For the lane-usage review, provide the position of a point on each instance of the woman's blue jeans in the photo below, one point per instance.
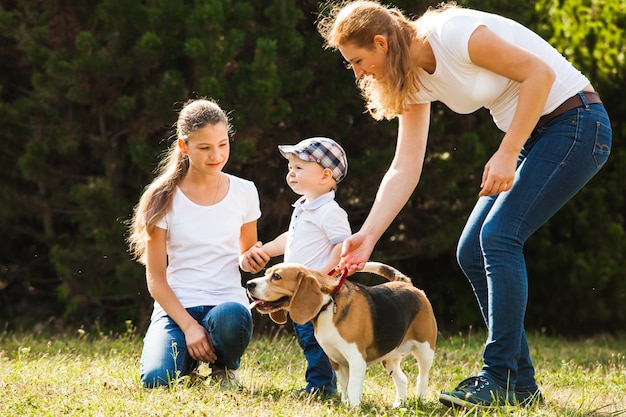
(165, 357)
(554, 164)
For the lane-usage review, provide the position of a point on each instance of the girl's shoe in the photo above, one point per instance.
(226, 378)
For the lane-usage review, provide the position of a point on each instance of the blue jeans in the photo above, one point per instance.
(164, 357)
(554, 164)
(319, 372)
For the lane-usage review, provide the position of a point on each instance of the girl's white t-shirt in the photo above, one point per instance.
(465, 87)
(203, 246)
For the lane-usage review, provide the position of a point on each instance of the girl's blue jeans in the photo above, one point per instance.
(165, 357)
(555, 163)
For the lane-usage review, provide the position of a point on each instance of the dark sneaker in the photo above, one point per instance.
(477, 391)
(528, 398)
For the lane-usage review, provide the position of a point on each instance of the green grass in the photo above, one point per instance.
(93, 374)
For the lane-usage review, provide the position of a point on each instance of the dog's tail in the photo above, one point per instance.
(386, 271)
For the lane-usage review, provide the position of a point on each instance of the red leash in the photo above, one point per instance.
(335, 290)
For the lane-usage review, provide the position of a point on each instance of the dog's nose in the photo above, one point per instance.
(250, 285)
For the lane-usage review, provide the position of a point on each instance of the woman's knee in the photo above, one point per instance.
(461, 254)
(496, 237)
(468, 252)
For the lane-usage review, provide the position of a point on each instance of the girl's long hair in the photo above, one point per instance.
(356, 23)
(157, 197)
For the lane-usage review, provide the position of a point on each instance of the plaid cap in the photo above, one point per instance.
(326, 152)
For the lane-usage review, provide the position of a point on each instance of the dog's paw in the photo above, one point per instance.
(350, 404)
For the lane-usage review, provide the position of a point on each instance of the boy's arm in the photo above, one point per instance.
(277, 246)
(333, 259)
(255, 258)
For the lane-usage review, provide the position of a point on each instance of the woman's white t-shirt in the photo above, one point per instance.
(203, 246)
(465, 87)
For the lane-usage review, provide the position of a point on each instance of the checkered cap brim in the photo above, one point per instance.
(326, 152)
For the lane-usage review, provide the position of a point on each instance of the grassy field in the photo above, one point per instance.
(93, 374)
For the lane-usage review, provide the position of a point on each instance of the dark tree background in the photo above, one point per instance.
(89, 92)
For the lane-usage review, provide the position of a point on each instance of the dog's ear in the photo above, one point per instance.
(306, 302)
(279, 316)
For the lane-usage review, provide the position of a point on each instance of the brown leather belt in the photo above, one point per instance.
(569, 104)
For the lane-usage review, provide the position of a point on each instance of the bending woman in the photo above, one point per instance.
(557, 136)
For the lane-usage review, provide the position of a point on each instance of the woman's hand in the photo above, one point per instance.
(356, 251)
(199, 344)
(536, 78)
(499, 173)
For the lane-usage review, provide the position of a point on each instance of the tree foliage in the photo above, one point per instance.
(89, 92)
(586, 242)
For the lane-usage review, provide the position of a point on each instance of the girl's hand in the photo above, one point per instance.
(254, 259)
(199, 344)
(356, 251)
(499, 173)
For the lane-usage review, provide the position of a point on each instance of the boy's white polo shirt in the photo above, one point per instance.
(316, 226)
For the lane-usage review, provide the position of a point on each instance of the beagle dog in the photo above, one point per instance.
(356, 325)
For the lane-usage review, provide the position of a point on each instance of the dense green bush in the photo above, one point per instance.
(89, 92)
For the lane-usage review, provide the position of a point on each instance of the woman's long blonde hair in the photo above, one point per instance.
(356, 23)
(157, 197)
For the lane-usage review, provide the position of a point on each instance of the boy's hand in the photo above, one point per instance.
(254, 259)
